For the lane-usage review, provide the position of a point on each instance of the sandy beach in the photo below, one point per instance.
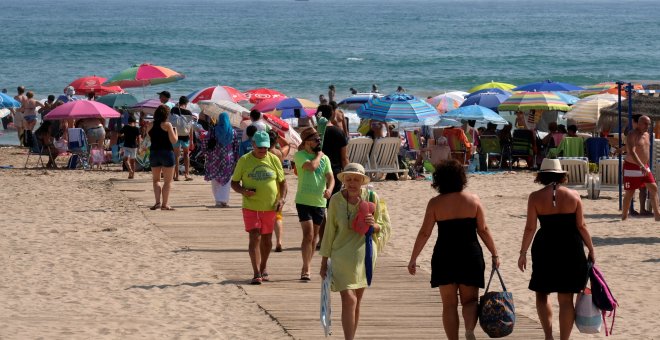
(82, 261)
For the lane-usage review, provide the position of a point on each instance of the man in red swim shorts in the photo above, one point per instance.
(636, 173)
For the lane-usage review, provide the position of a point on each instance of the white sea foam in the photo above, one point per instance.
(354, 59)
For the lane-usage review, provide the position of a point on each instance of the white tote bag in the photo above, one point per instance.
(588, 318)
(326, 306)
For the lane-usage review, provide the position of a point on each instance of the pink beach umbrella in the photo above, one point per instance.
(216, 93)
(268, 105)
(79, 109)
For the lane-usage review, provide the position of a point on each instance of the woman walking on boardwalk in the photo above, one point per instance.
(221, 148)
(457, 264)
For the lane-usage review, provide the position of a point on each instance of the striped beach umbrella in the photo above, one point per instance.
(526, 101)
(548, 85)
(287, 107)
(587, 110)
(144, 75)
(491, 90)
(566, 98)
(355, 101)
(399, 107)
(217, 93)
(493, 85)
(606, 87)
(213, 109)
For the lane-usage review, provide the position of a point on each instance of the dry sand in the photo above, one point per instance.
(80, 261)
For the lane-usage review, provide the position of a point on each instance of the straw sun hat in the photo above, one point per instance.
(354, 169)
(551, 165)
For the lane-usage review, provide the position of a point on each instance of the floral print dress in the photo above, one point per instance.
(221, 161)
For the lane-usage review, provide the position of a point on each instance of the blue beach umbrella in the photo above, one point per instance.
(8, 102)
(491, 90)
(475, 112)
(566, 98)
(490, 100)
(399, 107)
(548, 85)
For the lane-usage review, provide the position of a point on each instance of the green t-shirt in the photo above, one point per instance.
(311, 184)
(262, 175)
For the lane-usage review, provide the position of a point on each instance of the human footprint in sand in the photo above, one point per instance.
(457, 265)
(558, 261)
(636, 172)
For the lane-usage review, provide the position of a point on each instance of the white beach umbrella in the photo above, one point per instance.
(587, 110)
(213, 109)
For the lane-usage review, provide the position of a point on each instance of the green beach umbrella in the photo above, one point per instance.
(118, 100)
(493, 85)
(144, 75)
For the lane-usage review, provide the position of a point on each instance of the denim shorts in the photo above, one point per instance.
(181, 144)
(306, 213)
(161, 158)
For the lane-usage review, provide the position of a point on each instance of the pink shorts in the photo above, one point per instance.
(262, 220)
(633, 178)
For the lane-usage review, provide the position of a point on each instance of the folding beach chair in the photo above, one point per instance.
(79, 147)
(458, 143)
(414, 143)
(523, 147)
(34, 148)
(579, 177)
(571, 147)
(358, 150)
(490, 148)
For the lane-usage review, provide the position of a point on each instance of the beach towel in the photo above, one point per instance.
(571, 147)
(326, 306)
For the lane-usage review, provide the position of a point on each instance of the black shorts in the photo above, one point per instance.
(306, 213)
(161, 158)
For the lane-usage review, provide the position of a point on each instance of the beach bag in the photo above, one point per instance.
(181, 124)
(587, 315)
(497, 314)
(602, 296)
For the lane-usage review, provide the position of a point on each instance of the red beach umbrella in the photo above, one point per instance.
(216, 93)
(94, 84)
(258, 95)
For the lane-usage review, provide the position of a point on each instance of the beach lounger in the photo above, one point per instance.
(608, 176)
(579, 177)
(358, 150)
(383, 157)
(490, 148)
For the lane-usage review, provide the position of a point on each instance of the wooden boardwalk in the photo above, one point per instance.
(396, 306)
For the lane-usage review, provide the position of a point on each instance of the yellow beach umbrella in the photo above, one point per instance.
(493, 85)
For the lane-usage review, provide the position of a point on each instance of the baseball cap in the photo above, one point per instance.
(165, 94)
(261, 139)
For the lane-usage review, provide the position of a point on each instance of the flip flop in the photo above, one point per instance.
(155, 206)
(278, 249)
(167, 207)
(264, 277)
(256, 280)
(305, 277)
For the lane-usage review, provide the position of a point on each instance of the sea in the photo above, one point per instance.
(301, 47)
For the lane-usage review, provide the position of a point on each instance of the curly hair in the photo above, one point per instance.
(162, 113)
(449, 176)
(546, 178)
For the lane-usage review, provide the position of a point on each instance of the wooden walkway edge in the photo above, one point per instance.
(396, 306)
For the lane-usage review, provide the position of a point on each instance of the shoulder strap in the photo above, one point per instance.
(495, 270)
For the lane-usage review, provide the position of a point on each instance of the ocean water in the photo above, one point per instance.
(300, 47)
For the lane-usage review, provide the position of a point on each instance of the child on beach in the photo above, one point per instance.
(131, 135)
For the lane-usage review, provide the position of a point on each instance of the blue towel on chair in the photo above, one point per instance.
(597, 148)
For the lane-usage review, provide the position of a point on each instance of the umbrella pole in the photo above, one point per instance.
(619, 84)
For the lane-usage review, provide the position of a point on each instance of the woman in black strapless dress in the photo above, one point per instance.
(457, 265)
(558, 261)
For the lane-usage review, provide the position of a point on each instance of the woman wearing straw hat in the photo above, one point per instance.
(350, 233)
(457, 264)
(558, 261)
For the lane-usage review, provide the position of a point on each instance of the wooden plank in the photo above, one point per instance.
(396, 306)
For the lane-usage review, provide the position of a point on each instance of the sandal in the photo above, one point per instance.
(166, 207)
(264, 277)
(188, 179)
(256, 280)
(278, 249)
(155, 206)
(305, 277)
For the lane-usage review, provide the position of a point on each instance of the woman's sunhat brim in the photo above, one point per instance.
(365, 178)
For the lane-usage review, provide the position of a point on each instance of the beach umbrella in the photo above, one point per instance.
(493, 85)
(144, 75)
(475, 112)
(148, 106)
(491, 90)
(94, 84)
(213, 109)
(118, 100)
(587, 110)
(606, 87)
(8, 102)
(461, 94)
(566, 98)
(288, 106)
(355, 101)
(255, 96)
(448, 122)
(490, 100)
(217, 93)
(548, 85)
(399, 107)
(526, 101)
(446, 102)
(79, 109)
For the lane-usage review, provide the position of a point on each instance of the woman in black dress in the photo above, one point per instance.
(457, 264)
(558, 261)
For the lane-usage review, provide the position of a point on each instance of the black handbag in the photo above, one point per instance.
(497, 315)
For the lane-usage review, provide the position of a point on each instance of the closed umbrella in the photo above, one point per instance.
(79, 109)
(118, 100)
(217, 93)
(475, 112)
(527, 101)
(493, 85)
(256, 96)
(548, 85)
(399, 107)
(144, 75)
(490, 100)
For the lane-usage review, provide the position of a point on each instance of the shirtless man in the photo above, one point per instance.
(18, 113)
(636, 172)
(338, 118)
